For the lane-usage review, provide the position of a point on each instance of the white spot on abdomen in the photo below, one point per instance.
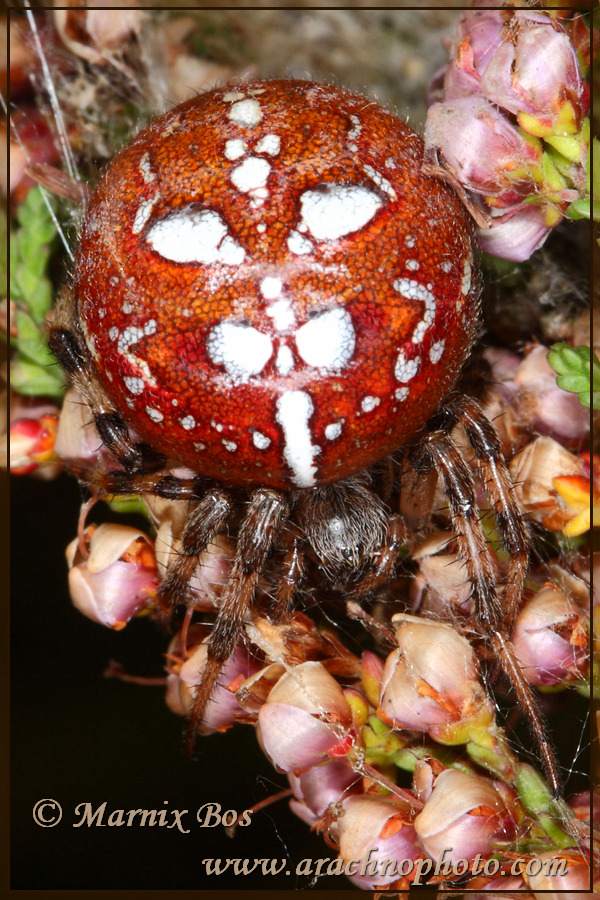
(406, 368)
(235, 148)
(133, 334)
(333, 430)
(154, 414)
(414, 290)
(193, 234)
(241, 349)
(245, 112)
(133, 385)
(369, 403)
(144, 211)
(130, 336)
(294, 409)
(285, 360)
(436, 350)
(354, 133)
(380, 181)
(465, 284)
(260, 441)
(282, 314)
(270, 144)
(270, 288)
(327, 340)
(188, 422)
(251, 174)
(146, 169)
(334, 210)
(298, 244)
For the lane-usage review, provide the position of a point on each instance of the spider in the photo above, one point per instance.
(270, 291)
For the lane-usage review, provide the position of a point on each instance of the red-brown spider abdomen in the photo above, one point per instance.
(271, 290)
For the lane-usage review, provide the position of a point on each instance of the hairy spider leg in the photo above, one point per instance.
(257, 534)
(385, 561)
(512, 524)
(68, 346)
(206, 520)
(438, 450)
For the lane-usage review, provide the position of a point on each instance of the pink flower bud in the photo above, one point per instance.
(480, 35)
(485, 150)
(77, 439)
(551, 639)
(173, 695)
(576, 584)
(371, 670)
(32, 443)
(533, 471)
(441, 582)
(535, 74)
(529, 386)
(517, 234)
(223, 709)
(464, 815)
(117, 579)
(522, 63)
(317, 788)
(214, 564)
(431, 684)
(562, 873)
(375, 838)
(305, 719)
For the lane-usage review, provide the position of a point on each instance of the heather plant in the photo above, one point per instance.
(396, 753)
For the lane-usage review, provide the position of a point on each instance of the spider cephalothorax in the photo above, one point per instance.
(269, 291)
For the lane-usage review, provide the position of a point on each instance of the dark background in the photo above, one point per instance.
(78, 737)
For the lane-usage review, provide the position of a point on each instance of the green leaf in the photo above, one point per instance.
(13, 251)
(575, 384)
(129, 504)
(33, 211)
(36, 381)
(31, 342)
(568, 146)
(538, 801)
(35, 295)
(3, 254)
(34, 370)
(35, 234)
(578, 372)
(580, 209)
(567, 360)
(33, 255)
